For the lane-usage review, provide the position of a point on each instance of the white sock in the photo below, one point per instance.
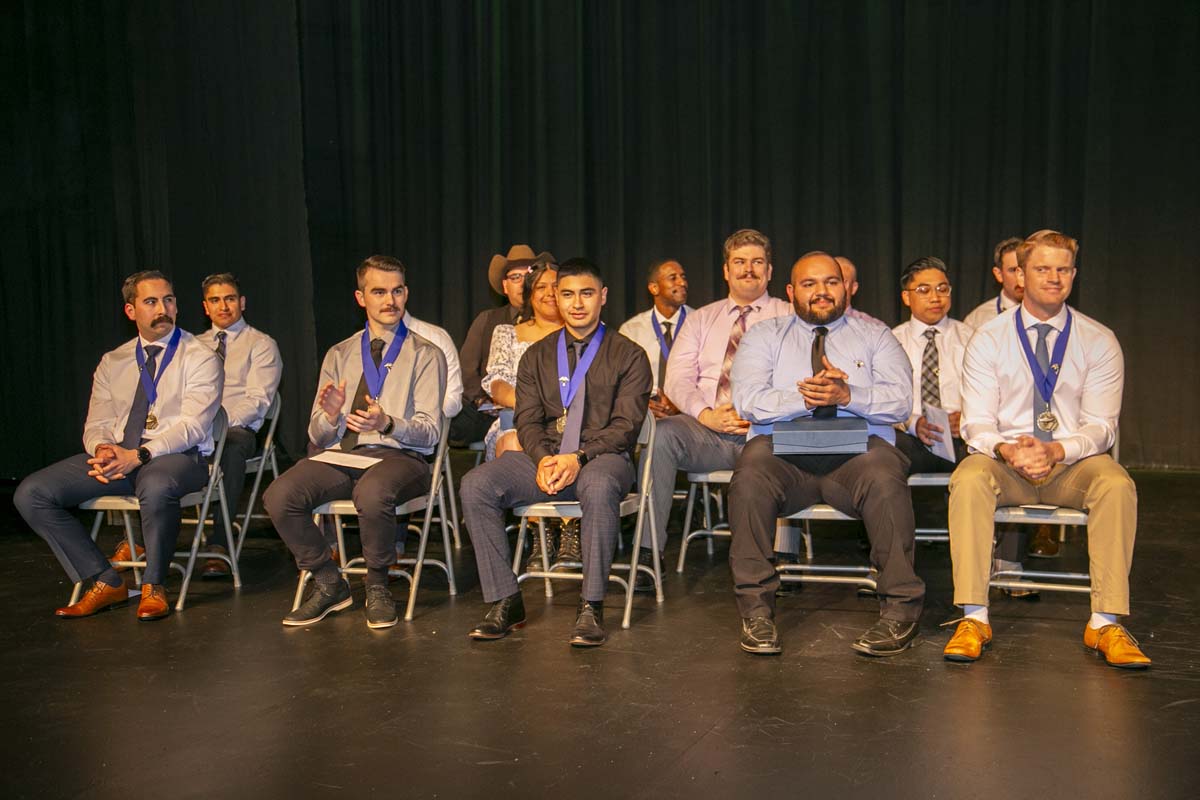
(1099, 620)
(976, 613)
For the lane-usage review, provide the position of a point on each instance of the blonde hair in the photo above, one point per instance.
(1045, 238)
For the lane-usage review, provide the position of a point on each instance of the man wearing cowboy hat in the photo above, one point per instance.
(506, 275)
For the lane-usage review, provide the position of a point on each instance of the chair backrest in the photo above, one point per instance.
(439, 458)
(272, 419)
(219, 427)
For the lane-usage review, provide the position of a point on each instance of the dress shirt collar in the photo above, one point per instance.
(585, 341)
(918, 328)
(233, 330)
(387, 335)
(163, 342)
(1007, 302)
(810, 327)
(755, 305)
(1058, 321)
(674, 318)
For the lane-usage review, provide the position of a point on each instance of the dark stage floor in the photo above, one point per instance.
(222, 701)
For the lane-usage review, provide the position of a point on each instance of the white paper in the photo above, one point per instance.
(944, 448)
(344, 459)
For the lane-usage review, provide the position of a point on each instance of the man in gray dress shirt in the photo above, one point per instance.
(394, 415)
(253, 368)
(863, 372)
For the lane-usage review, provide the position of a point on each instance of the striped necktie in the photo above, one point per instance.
(724, 391)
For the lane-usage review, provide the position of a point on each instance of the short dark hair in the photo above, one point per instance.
(579, 266)
(129, 287)
(656, 266)
(922, 263)
(384, 263)
(220, 277)
(1004, 246)
(532, 276)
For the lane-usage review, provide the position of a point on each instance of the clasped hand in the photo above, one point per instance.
(555, 473)
(661, 405)
(331, 399)
(827, 388)
(112, 463)
(1032, 458)
(723, 419)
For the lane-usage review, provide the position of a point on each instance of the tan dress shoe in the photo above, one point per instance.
(1044, 543)
(154, 603)
(100, 597)
(968, 641)
(122, 554)
(1119, 648)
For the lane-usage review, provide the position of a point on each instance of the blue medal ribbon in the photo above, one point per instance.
(662, 342)
(150, 385)
(999, 308)
(1044, 383)
(375, 376)
(568, 384)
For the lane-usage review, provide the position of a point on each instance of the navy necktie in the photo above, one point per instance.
(136, 424)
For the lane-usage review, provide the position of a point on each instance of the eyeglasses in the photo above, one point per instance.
(943, 289)
(516, 277)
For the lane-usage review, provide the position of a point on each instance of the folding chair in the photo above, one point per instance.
(1041, 515)
(704, 482)
(128, 504)
(258, 466)
(452, 494)
(436, 498)
(637, 502)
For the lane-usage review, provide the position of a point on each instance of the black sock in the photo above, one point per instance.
(376, 576)
(110, 577)
(327, 574)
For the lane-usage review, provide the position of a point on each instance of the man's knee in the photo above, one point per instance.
(1112, 481)
(281, 498)
(974, 472)
(30, 496)
(757, 462)
(668, 439)
(599, 486)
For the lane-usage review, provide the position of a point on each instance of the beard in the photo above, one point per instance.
(813, 317)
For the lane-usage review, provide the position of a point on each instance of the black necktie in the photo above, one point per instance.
(818, 364)
(350, 440)
(221, 344)
(136, 424)
(662, 362)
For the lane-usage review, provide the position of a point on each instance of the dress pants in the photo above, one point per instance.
(46, 497)
(401, 476)
(240, 444)
(682, 443)
(509, 481)
(1097, 485)
(871, 486)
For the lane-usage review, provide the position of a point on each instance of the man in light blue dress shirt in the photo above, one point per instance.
(864, 372)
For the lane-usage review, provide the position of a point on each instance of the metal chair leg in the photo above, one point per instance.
(687, 527)
(449, 489)
(545, 555)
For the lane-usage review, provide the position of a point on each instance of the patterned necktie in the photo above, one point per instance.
(221, 344)
(724, 392)
(350, 440)
(818, 364)
(931, 390)
(662, 361)
(141, 404)
(1042, 353)
(574, 426)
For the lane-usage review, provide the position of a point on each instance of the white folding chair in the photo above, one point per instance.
(203, 500)
(638, 502)
(436, 498)
(1035, 514)
(703, 481)
(258, 466)
(451, 493)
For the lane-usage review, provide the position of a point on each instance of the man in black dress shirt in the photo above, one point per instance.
(581, 400)
(506, 274)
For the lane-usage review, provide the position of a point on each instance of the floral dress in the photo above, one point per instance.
(502, 363)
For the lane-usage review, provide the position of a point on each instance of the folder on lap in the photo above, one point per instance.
(808, 436)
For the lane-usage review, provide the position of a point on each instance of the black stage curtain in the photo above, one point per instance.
(289, 140)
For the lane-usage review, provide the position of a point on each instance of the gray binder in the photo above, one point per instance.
(808, 436)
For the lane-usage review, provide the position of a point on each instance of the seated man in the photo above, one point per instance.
(821, 363)
(657, 328)
(253, 368)
(1042, 389)
(708, 434)
(395, 415)
(1008, 274)
(581, 401)
(148, 429)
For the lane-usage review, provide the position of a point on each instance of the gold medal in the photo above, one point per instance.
(1046, 421)
(151, 422)
(561, 424)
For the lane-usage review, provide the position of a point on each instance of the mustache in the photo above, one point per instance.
(162, 318)
(816, 297)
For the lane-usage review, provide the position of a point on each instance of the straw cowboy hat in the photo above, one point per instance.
(519, 255)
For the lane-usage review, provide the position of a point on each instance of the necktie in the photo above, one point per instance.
(1042, 353)
(350, 440)
(818, 364)
(931, 390)
(724, 391)
(221, 344)
(136, 424)
(662, 361)
(574, 426)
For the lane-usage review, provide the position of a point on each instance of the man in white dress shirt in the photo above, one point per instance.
(1042, 387)
(656, 329)
(1008, 275)
(148, 429)
(253, 368)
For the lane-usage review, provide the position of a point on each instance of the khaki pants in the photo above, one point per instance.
(1097, 485)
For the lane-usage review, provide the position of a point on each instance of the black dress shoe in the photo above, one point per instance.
(505, 615)
(759, 636)
(644, 582)
(589, 627)
(886, 637)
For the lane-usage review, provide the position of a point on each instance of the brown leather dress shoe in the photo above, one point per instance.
(1119, 648)
(98, 598)
(215, 567)
(968, 640)
(1044, 543)
(122, 554)
(154, 603)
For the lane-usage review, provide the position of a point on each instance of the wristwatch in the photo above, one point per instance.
(391, 426)
(582, 456)
(143, 455)
(996, 452)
